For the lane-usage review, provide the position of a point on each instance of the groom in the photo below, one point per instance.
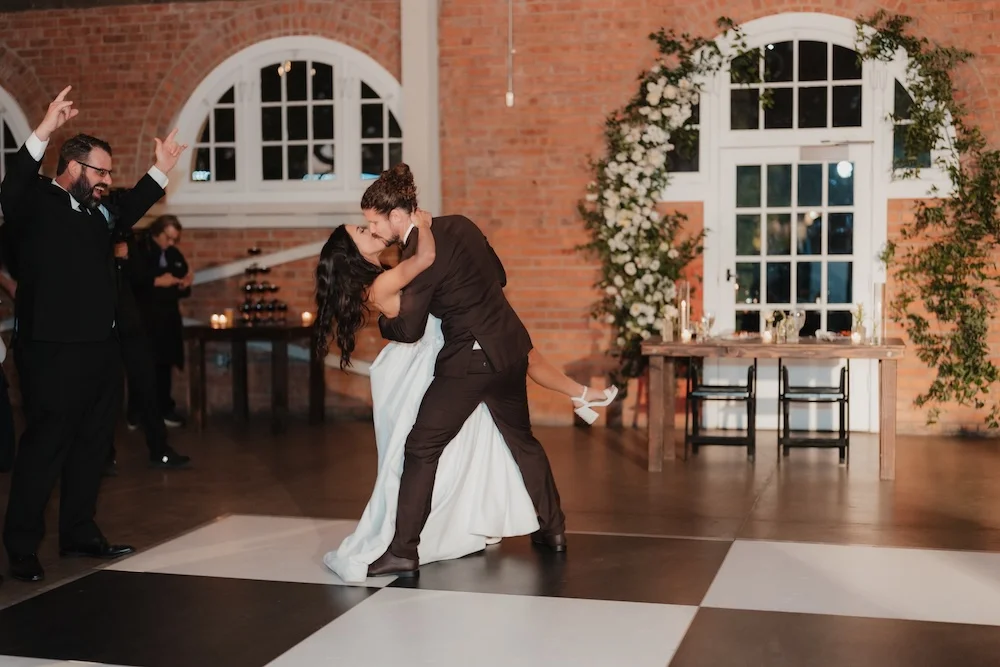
(484, 360)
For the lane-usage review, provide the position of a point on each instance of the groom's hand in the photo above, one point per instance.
(423, 218)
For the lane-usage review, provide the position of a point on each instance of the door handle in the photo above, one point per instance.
(729, 275)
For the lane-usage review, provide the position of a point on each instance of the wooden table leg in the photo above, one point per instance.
(279, 385)
(241, 391)
(317, 386)
(887, 419)
(657, 403)
(196, 382)
(673, 447)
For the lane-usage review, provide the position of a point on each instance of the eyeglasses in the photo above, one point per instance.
(100, 172)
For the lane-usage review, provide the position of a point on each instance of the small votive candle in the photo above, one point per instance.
(307, 319)
(767, 337)
(215, 321)
(685, 335)
(223, 321)
(856, 337)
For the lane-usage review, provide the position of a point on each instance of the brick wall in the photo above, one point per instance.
(518, 172)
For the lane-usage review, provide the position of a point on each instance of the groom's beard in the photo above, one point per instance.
(88, 196)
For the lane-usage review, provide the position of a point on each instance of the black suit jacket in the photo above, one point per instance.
(159, 306)
(62, 259)
(464, 289)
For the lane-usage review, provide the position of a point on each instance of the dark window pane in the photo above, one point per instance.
(695, 118)
(810, 185)
(746, 68)
(747, 234)
(270, 83)
(846, 65)
(748, 186)
(808, 288)
(778, 61)
(900, 159)
(225, 163)
(395, 131)
(298, 162)
(847, 106)
(322, 122)
(841, 184)
(225, 125)
(744, 110)
(779, 185)
(684, 156)
(371, 121)
(367, 93)
(779, 282)
(779, 234)
(778, 116)
(395, 155)
(748, 282)
(901, 102)
(298, 123)
(748, 320)
(839, 282)
(205, 136)
(812, 107)
(228, 97)
(271, 163)
(839, 321)
(372, 160)
(297, 77)
(322, 162)
(270, 124)
(809, 233)
(812, 325)
(812, 61)
(841, 241)
(322, 82)
(202, 169)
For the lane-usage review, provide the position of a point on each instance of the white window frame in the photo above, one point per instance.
(11, 113)
(876, 128)
(269, 201)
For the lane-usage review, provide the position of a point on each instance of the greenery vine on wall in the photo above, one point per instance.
(944, 276)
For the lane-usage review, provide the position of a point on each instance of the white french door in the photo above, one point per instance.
(793, 232)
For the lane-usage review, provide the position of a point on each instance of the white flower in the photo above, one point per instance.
(619, 281)
(654, 265)
(609, 318)
(630, 269)
(611, 290)
(592, 197)
(673, 254)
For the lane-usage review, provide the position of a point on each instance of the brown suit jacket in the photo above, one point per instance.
(464, 289)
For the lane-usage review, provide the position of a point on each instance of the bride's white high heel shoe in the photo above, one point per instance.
(585, 410)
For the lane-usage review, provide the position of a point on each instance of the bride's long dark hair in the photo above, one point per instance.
(343, 275)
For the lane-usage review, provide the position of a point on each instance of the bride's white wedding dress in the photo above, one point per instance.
(478, 492)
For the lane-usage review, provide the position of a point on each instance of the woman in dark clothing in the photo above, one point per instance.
(160, 278)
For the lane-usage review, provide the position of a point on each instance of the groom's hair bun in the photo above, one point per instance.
(393, 189)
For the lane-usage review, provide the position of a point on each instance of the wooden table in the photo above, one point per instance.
(662, 384)
(238, 337)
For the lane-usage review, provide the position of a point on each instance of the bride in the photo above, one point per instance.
(479, 496)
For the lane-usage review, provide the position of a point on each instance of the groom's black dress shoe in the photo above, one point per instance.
(26, 568)
(98, 548)
(553, 541)
(387, 565)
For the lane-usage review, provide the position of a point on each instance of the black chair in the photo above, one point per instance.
(698, 393)
(789, 394)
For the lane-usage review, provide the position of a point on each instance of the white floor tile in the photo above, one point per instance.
(448, 629)
(252, 547)
(912, 584)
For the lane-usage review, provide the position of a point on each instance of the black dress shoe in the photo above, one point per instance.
(388, 565)
(169, 459)
(26, 568)
(96, 549)
(553, 541)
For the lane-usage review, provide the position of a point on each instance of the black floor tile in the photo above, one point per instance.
(738, 638)
(162, 620)
(599, 567)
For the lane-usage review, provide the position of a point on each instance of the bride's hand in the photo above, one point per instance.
(422, 218)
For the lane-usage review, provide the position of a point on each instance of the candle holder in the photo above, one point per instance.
(683, 288)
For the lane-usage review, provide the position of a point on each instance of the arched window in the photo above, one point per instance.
(291, 120)
(14, 129)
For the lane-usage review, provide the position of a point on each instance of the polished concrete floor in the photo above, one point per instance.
(805, 562)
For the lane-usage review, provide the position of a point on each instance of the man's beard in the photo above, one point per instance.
(83, 192)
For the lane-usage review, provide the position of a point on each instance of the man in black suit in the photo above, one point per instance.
(65, 340)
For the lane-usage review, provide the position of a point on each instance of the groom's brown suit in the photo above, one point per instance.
(464, 289)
